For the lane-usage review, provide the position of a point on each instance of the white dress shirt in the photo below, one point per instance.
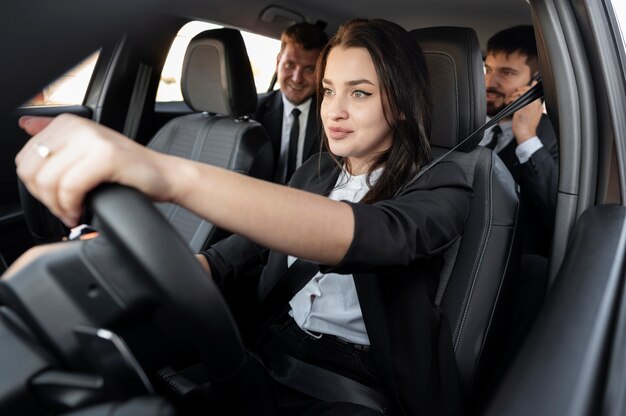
(328, 304)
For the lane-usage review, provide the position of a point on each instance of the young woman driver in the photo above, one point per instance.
(374, 237)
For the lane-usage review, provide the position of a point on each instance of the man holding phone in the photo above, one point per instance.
(526, 142)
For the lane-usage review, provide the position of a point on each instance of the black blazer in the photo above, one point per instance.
(538, 181)
(270, 114)
(395, 258)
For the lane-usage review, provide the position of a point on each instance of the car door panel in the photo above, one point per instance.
(563, 361)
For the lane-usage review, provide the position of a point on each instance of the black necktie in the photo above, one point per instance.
(496, 132)
(292, 156)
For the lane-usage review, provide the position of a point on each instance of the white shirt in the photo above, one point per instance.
(328, 304)
(523, 151)
(286, 131)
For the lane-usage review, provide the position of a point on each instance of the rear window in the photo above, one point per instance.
(261, 50)
(619, 7)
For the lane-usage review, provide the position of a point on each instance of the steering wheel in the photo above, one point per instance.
(42, 224)
(131, 222)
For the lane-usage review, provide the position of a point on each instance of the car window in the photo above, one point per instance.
(68, 89)
(619, 7)
(261, 50)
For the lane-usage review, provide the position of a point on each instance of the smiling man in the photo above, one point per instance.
(289, 115)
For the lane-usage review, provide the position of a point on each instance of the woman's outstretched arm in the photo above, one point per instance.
(69, 156)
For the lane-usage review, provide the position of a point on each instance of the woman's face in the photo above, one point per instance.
(352, 108)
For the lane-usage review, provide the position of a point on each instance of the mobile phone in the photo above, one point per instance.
(536, 77)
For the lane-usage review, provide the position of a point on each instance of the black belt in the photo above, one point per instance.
(323, 384)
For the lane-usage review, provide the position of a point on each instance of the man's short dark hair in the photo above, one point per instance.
(516, 39)
(307, 35)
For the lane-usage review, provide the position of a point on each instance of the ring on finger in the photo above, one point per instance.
(42, 150)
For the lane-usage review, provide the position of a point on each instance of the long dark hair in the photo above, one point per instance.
(407, 102)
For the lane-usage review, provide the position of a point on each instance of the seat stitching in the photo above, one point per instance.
(468, 297)
(456, 89)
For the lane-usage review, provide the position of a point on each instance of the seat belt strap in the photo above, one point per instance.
(323, 384)
(294, 279)
(137, 101)
(528, 97)
(306, 378)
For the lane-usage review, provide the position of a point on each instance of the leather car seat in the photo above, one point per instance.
(480, 268)
(217, 83)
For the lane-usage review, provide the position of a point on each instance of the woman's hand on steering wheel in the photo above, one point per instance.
(68, 156)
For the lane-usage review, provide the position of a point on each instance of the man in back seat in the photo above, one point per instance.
(289, 115)
(527, 145)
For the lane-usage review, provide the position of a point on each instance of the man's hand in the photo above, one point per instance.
(525, 120)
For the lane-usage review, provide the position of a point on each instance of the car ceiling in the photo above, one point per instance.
(39, 57)
(485, 16)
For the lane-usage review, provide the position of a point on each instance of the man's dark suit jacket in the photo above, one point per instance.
(270, 114)
(538, 181)
(395, 258)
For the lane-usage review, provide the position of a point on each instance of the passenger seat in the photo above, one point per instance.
(217, 83)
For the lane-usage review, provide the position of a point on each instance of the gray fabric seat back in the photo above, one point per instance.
(480, 267)
(217, 83)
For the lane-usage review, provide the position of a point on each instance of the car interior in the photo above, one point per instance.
(126, 323)
(479, 262)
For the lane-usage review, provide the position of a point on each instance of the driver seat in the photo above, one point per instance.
(480, 268)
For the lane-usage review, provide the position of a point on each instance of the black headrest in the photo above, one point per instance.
(217, 76)
(455, 68)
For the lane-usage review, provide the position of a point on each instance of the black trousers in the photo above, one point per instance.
(255, 392)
